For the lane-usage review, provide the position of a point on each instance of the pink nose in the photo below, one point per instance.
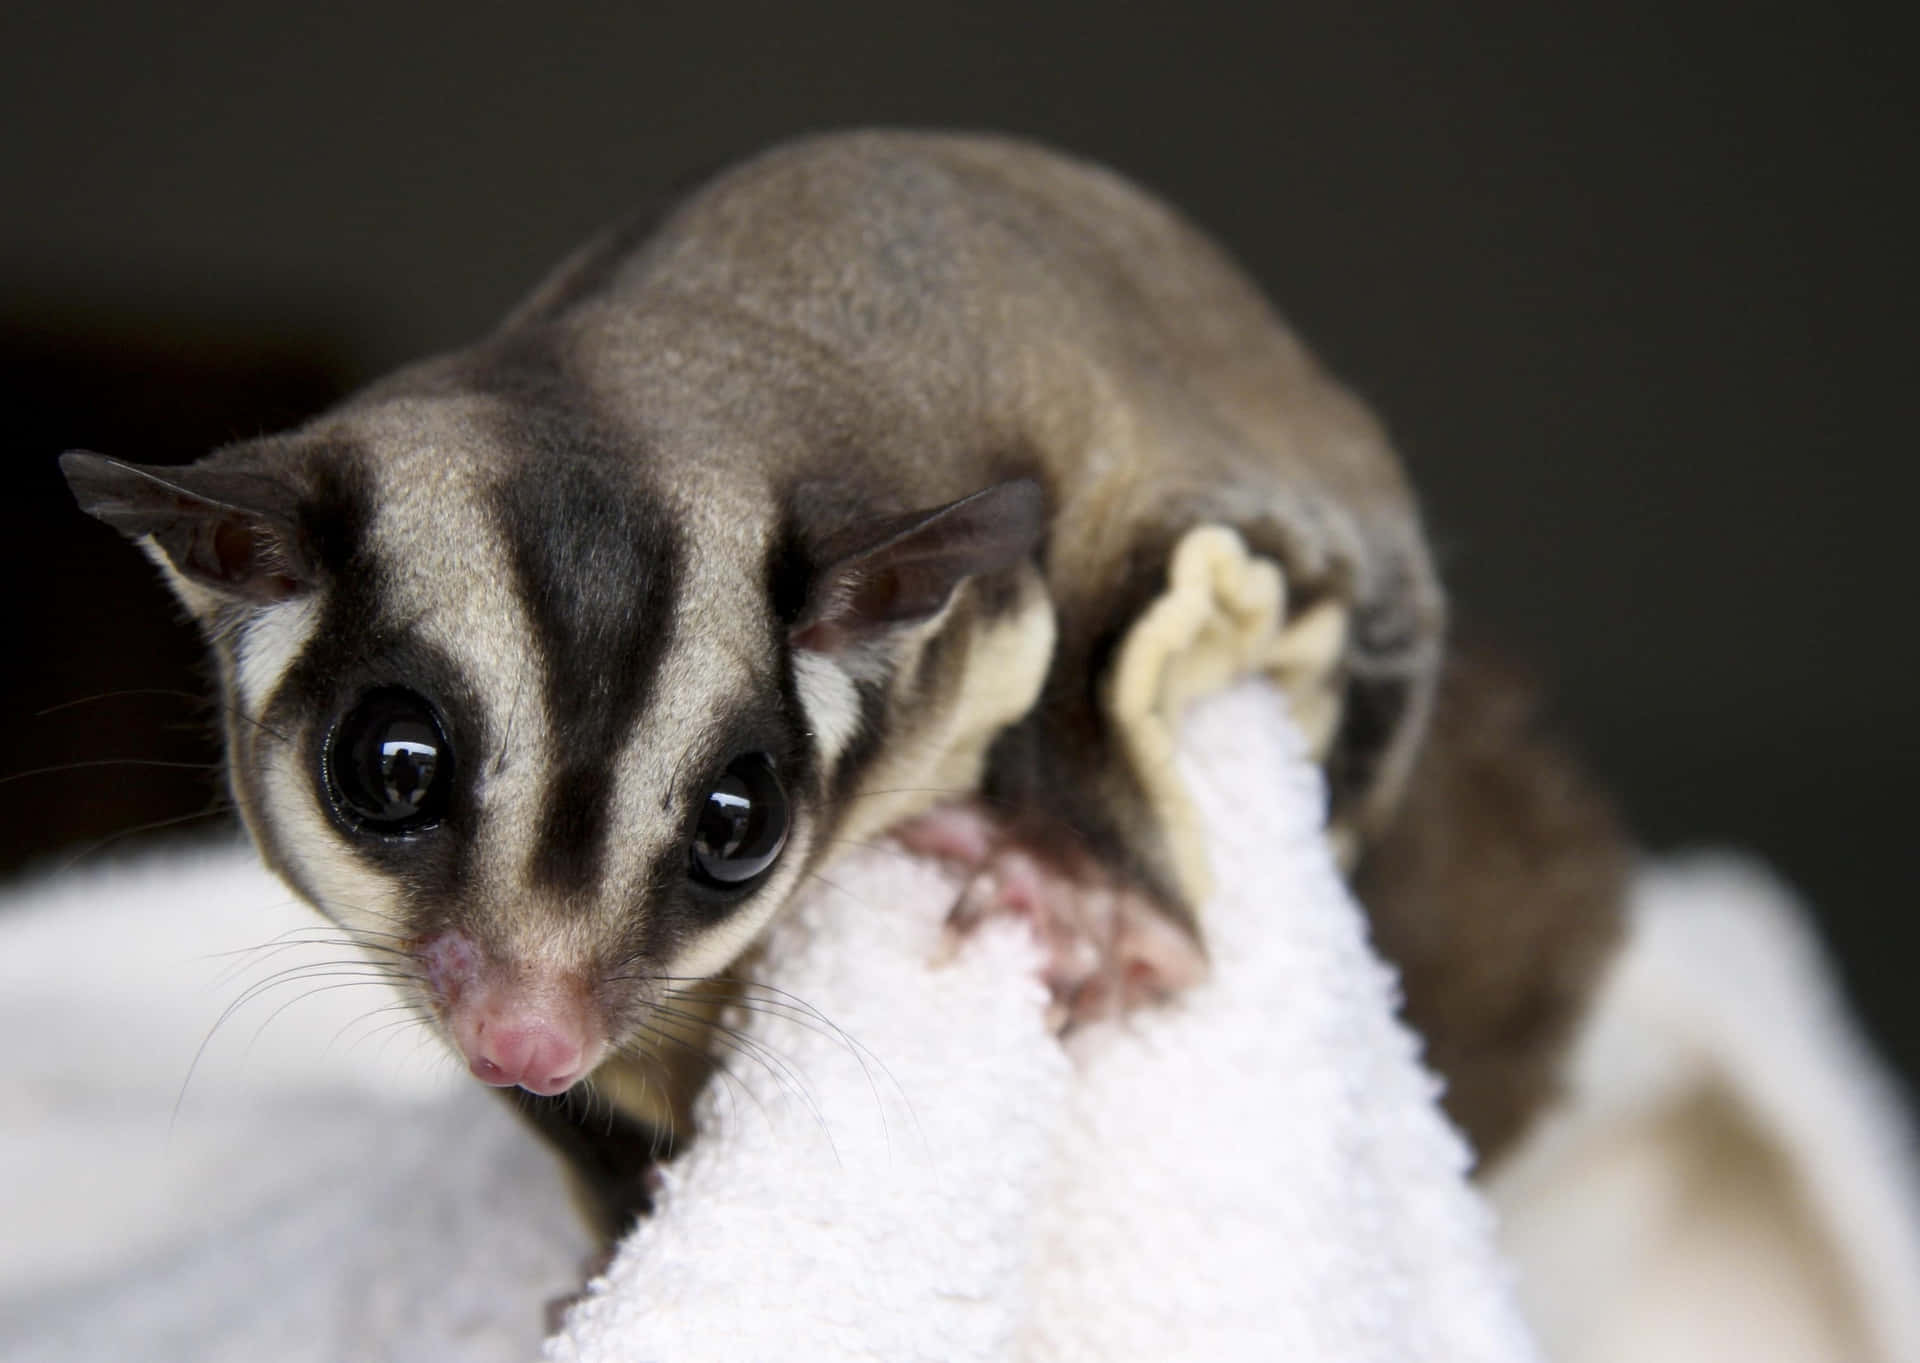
(536, 1055)
(512, 1028)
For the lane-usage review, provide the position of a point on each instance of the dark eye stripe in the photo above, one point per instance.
(357, 646)
(679, 906)
(596, 560)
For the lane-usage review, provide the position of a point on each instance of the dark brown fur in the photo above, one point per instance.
(1497, 892)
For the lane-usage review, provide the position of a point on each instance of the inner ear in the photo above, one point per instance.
(899, 569)
(226, 529)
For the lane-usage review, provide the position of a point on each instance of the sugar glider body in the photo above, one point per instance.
(554, 664)
(866, 325)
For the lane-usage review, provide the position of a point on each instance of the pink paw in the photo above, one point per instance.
(1108, 947)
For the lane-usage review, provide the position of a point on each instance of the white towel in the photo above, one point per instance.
(921, 1171)
(1733, 1174)
(1256, 1171)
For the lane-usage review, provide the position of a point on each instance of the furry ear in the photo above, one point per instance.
(901, 569)
(227, 530)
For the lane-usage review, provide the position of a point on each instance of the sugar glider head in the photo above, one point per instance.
(540, 735)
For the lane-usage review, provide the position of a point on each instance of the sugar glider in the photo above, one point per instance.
(552, 666)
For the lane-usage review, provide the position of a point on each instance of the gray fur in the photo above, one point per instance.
(603, 540)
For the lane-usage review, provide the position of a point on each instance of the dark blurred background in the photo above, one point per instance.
(1632, 282)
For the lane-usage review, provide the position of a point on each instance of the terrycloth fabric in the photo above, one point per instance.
(1732, 1174)
(327, 1192)
(1258, 1171)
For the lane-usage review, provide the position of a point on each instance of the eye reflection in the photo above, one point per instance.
(387, 763)
(408, 768)
(743, 824)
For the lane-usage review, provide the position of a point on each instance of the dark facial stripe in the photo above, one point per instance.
(597, 561)
(677, 907)
(358, 644)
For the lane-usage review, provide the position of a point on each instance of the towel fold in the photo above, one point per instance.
(1256, 1170)
(902, 1162)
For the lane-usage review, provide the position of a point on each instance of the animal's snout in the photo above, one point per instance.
(504, 1048)
(512, 1027)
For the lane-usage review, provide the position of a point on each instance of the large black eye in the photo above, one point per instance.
(743, 823)
(389, 764)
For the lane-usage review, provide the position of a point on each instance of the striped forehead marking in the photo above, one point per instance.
(597, 562)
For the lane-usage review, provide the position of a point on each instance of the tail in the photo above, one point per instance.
(1497, 890)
